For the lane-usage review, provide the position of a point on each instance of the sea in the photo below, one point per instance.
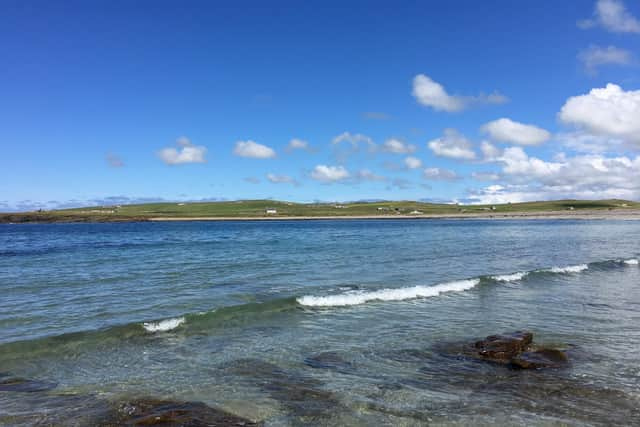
(321, 322)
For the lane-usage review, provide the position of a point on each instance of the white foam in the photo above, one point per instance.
(510, 277)
(632, 261)
(568, 269)
(399, 294)
(164, 325)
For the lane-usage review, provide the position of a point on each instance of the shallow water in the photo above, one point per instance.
(322, 322)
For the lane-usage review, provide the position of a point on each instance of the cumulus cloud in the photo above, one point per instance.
(453, 145)
(412, 162)
(297, 144)
(585, 142)
(114, 161)
(613, 16)
(596, 56)
(432, 94)
(347, 144)
(438, 174)
(397, 146)
(354, 139)
(281, 179)
(608, 111)
(187, 153)
(328, 174)
(591, 176)
(490, 152)
(507, 130)
(253, 150)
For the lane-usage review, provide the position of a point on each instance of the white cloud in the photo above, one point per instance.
(613, 16)
(596, 56)
(188, 153)
(394, 145)
(591, 176)
(412, 162)
(254, 150)
(353, 139)
(608, 111)
(490, 152)
(432, 94)
(453, 145)
(506, 130)
(585, 142)
(297, 144)
(328, 174)
(367, 175)
(281, 179)
(438, 174)
(485, 176)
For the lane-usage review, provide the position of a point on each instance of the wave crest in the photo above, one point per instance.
(513, 277)
(399, 294)
(632, 261)
(568, 269)
(164, 325)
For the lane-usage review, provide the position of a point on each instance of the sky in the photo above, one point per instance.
(111, 102)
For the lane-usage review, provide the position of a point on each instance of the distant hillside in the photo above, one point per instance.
(279, 209)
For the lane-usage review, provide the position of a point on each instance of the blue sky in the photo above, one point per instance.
(492, 101)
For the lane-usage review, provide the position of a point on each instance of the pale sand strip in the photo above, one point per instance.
(595, 214)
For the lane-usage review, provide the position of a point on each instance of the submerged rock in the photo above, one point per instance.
(502, 348)
(23, 385)
(542, 358)
(517, 349)
(301, 395)
(329, 360)
(152, 412)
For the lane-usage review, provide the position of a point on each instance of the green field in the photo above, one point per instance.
(259, 208)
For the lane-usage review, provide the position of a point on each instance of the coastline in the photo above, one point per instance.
(582, 214)
(631, 215)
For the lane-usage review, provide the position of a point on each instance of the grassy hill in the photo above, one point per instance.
(258, 209)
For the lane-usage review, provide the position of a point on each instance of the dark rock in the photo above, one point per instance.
(151, 412)
(542, 358)
(23, 385)
(502, 348)
(328, 360)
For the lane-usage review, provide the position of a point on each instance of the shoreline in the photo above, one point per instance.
(591, 214)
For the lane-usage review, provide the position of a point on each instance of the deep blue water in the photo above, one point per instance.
(177, 309)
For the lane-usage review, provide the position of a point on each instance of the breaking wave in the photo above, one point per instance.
(164, 325)
(632, 261)
(399, 294)
(569, 269)
(513, 277)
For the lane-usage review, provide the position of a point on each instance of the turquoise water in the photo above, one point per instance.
(322, 322)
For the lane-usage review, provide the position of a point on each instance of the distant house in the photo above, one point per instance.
(269, 211)
(383, 209)
(340, 207)
(415, 213)
(180, 204)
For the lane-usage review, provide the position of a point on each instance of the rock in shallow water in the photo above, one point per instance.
(23, 385)
(542, 358)
(328, 360)
(151, 412)
(502, 348)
